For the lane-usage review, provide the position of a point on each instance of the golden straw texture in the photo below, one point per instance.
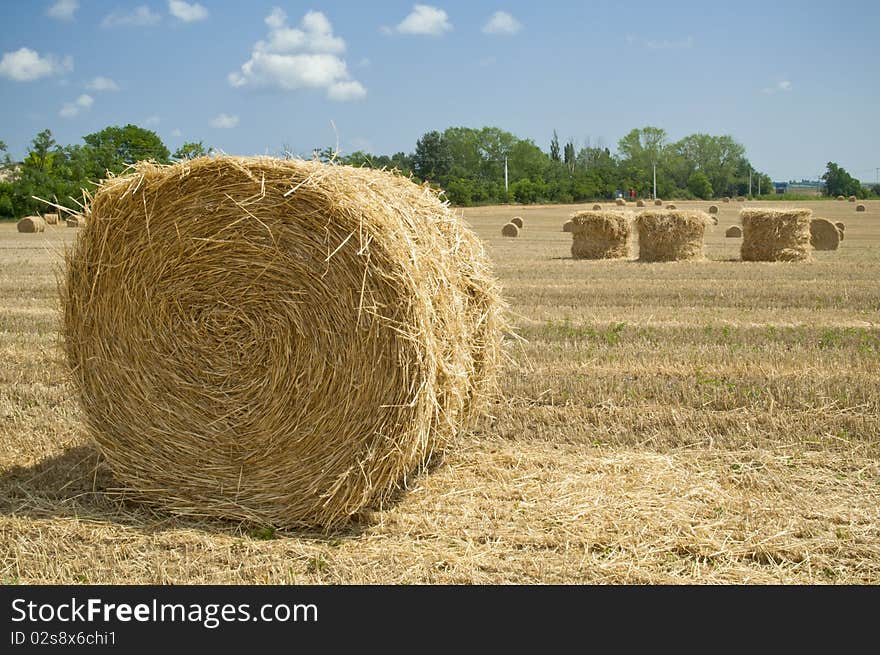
(776, 235)
(31, 224)
(600, 235)
(281, 342)
(671, 235)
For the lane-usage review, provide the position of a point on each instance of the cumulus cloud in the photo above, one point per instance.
(26, 65)
(141, 16)
(783, 86)
(63, 9)
(425, 19)
(81, 104)
(502, 23)
(102, 84)
(306, 57)
(186, 12)
(224, 121)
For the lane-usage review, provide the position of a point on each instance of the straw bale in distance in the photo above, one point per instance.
(725, 199)
(713, 209)
(516, 220)
(860, 208)
(51, 218)
(824, 234)
(840, 228)
(510, 230)
(75, 221)
(671, 235)
(278, 342)
(776, 235)
(852, 198)
(841, 197)
(640, 203)
(658, 202)
(601, 235)
(733, 231)
(671, 206)
(597, 208)
(620, 202)
(740, 198)
(31, 224)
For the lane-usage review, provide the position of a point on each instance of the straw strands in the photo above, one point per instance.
(824, 234)
(776, 235)
(671, 235)
(31, 224)
(600, 235)
(280, 342)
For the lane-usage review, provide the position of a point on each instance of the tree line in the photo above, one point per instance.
(473, 166)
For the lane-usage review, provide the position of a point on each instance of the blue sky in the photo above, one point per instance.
(795, 82)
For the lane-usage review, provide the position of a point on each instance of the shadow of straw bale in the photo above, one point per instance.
(77, 484)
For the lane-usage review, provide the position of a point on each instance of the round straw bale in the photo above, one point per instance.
(740, 198)
(516, 220)
(670, 206)
(852, 198)
(841, 197)
(31, 224)
(601, 235)
(597, 208)
(640, 203)
(658, 202)
(840, 226)
(824, 234)
(776, 235)
(620, 202)
(733, 231)
(671, 235)
(725, 199)
(75, 221)
(278, 342)
(50, 218)
(568, 226)
(510, 230)
(860, 208)
(713, 209)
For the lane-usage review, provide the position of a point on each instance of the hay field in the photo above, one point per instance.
(691, 422)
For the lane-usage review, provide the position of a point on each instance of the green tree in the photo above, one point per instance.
(554, 147)
(40, 155)
(699, 185)
(190, 150)
(114, 148)
(432, 159)
(840, 183)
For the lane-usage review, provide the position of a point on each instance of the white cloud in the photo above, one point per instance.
(102, 84)
(502, 23)
(81, 104)
(26, 65)
(350, 90)
(667, 45)
(188, 13)
(224, 121)
(784, 86)
(63, 9)
(141, 16)
(152, 120)
(425, 19)
(176, 132)
(306, 57)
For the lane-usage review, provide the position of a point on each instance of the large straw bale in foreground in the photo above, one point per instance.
(824, 234)
(600, 235)
(31, 224)
(282, 342)
(776, 235)
(671, 235)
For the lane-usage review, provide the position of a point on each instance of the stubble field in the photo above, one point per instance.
(711, 422)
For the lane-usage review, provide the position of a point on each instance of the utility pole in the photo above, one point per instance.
(759, 185)
(505, 174)
(654, 165)
(750, 182)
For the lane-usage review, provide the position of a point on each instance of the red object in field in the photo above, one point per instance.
(632, 193)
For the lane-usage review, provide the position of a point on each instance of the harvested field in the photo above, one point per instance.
(667, 424)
